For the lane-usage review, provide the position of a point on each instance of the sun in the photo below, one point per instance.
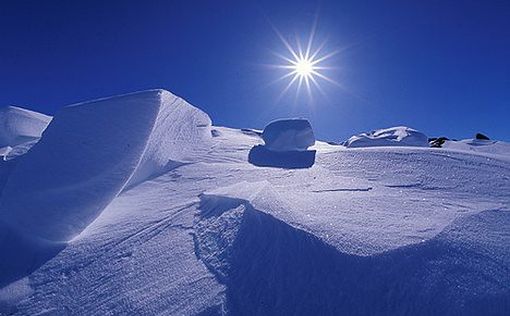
(304, 65)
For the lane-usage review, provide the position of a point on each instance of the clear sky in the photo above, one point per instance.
(442, 67)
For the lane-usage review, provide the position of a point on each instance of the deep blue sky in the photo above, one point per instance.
(442, 67)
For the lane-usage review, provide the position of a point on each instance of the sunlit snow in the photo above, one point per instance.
(137, 204)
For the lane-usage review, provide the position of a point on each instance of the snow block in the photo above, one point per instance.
(393, 136)
(288, 134)
(286, 143)
(263, 157)
(91, 152)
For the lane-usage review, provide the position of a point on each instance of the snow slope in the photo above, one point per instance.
(364, 231)
(479, 146)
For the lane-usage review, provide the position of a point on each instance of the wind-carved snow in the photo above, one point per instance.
(91, 152)
(20, 129)
(386, 231)
(271, 267)
(393, 136)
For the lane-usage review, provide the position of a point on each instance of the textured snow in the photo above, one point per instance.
(363, 231)
(393, 136)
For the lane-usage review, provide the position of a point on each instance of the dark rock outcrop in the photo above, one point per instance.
(481, 136)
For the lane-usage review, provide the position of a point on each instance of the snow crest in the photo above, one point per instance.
(91, 152)
(20, 129)
(393, 136)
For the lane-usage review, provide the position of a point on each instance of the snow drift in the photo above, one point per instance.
(393, 136)
(91, 152)
(272, 267)
(20, 128)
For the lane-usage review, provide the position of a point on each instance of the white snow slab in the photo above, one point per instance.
(393, 136)
(91, 152)
(288, 135)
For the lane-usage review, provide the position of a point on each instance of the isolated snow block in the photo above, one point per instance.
(288, 135)
(92, 151)
(261, 156)
(393, 136)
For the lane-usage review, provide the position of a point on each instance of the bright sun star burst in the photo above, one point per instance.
(303, 66)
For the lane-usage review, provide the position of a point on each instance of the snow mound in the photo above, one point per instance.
(20, 126)
(271, 266)
(91, 152)
(286, 143)
(393, 136)
(480, 146)
(288, 135)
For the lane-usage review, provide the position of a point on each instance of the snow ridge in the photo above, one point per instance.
(91, 152)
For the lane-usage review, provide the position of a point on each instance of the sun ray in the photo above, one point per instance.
(287, 88)
(287, 45)
(311, 37)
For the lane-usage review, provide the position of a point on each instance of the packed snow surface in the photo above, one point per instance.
(393, 136)
(202, 231)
